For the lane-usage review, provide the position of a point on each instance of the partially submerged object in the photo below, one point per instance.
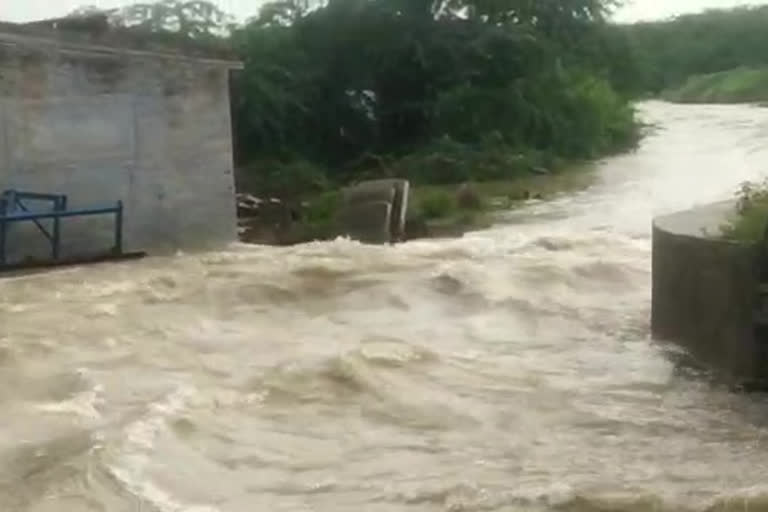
(375, 211)
(25, 207)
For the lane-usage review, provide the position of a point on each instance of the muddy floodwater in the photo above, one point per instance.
(509, 370)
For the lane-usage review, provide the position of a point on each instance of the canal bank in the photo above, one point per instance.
(706, 292)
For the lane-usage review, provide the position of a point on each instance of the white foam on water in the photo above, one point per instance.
(140, 437)
(509, 369)
(85, 405)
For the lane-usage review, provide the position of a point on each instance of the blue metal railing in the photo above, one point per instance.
(13, 208)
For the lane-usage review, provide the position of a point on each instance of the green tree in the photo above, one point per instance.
(347, 86)
(193, 19)
(668, 52)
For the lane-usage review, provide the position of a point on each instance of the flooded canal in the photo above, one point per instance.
(510, 370)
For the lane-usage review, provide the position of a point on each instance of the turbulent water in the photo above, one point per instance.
(511, 370)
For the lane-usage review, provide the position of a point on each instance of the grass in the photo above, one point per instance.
(748, 223)
(740, 85)
(502, 194)
(439, 205)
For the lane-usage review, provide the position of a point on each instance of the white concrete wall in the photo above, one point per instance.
(153, 132)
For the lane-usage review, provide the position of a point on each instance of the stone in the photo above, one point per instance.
(248, 205)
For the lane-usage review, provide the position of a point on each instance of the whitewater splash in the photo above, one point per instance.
(508, 370)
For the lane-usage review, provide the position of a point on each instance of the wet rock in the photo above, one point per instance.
(266, 221)
(247, 205)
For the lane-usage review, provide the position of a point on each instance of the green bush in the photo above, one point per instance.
(570, 113)
(590, 118)
(436, 204)
(740, 85)
(285, 179)
(749, 222)
(457, 100)
(323, 208)
(446, 161)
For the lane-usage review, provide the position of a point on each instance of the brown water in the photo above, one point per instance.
(510, 370)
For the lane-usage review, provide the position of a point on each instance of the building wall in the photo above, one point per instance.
(154, 132)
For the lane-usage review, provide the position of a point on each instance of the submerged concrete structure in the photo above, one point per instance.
(104, 117)
(374, 211)
(707, 293)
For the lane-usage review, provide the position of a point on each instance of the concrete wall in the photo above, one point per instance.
(152, 131)
(704, 292)
(375, 211)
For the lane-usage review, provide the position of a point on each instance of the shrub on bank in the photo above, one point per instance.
(285, 179)
(740, 85)
(750, 220)
(435, 205)
(446, 161)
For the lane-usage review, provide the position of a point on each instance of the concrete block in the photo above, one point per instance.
(368, 222)
(369, 191)
(395, 192)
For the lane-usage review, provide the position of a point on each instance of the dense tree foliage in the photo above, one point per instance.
(354, 83)
(335, 88)
(186, 18)
(667, 53)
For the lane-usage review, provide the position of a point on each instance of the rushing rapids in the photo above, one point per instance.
(510, 370)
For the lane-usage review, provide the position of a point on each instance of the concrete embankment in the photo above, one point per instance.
(705, 291)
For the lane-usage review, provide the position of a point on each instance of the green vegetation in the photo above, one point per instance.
(719, 55)
(451, 209)
(379, 88)
(445, 92)
(436, 201)
(741, 85)
(748, 224)
(473, 205)
(436, 91)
